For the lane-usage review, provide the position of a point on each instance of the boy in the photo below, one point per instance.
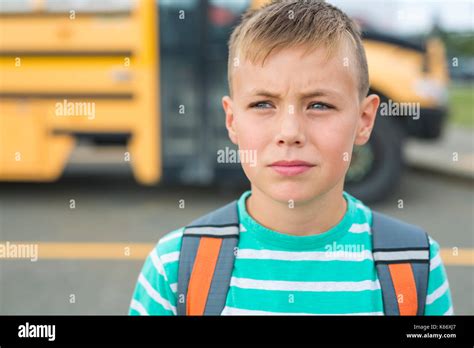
(298, 244)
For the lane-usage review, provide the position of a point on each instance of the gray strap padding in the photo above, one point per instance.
(221, 223)
(421, 272)
(394, 234)
(187, 255)
(224, 216)
(388, 291)
(221, 280)
(395, 241)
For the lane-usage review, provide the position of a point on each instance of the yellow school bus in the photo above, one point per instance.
(68, 71)
(150, 75)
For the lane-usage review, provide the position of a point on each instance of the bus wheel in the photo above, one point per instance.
(376, 167)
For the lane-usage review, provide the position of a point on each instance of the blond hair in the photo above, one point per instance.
(290, 23)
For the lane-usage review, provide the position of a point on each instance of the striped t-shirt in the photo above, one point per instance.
(331, 273)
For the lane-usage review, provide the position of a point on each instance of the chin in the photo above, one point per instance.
(297, 191)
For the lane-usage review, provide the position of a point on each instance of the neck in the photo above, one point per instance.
(312, 217)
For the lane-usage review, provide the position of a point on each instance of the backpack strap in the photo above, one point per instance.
(402, 258)
(206, 262)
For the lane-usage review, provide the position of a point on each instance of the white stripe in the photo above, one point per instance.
(283, 285)
(364, 208)
(170, 257)
(238, 311)
(303, 255)
(242, 228)
(437, 293)
(138, 307)
(171, 237)
(174, 287)
(360, 228)
(435, 262)
(158, 265)
(155, 294)
(450, 311)
(401, 255)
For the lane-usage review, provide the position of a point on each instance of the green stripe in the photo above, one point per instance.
(440, 306)
(151, 306)
(298, 270)
(356, 239)
(306, 302)
(169, 246)
(171, 270)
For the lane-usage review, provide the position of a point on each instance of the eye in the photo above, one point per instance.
(320, 106)
(261, 105)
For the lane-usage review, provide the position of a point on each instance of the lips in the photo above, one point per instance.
(291, 168)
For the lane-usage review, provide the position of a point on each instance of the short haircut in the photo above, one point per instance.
(291, 23)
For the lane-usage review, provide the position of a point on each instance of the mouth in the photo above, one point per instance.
(291, 168)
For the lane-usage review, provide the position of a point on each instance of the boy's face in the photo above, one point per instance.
(298, 108)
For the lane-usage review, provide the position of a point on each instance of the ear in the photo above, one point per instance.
(368, 112)
(228, 106)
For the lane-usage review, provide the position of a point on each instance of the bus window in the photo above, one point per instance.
(89, 6)
(223, 16)
(16, 6)
(179, 71)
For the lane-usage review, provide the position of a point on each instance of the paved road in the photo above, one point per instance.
(117, 210)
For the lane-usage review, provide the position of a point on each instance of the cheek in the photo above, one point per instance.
(252, 140)
(334, 141)
(251, 134)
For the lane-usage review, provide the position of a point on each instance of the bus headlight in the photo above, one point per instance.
(432, 89)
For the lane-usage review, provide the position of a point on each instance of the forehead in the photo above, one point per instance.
(295, 70)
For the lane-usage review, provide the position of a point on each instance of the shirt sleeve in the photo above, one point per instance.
(156, 287)
(438, 298)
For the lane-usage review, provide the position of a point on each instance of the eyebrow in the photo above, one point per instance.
(311, 94)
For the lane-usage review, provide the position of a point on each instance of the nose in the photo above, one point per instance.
(291, 130)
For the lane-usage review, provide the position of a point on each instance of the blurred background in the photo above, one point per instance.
(111, 124)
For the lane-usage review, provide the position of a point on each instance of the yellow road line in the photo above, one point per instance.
(87, 251)
(457, 257)
(139, 251)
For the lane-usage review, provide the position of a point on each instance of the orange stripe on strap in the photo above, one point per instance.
(405, 288)
(201, 276)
